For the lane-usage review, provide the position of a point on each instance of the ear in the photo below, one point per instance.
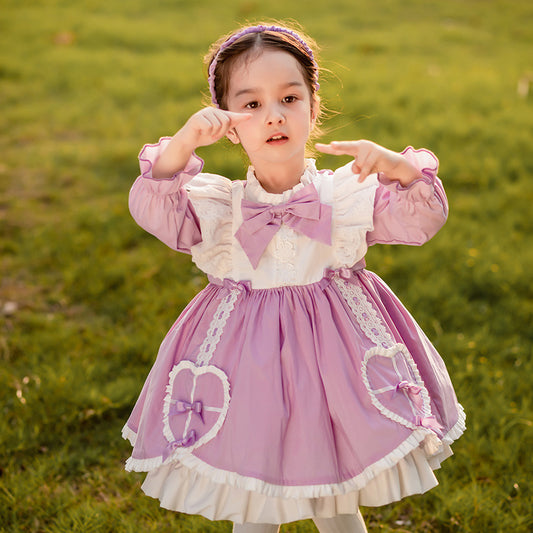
(233, 136)
(313, 118)
(314, 115)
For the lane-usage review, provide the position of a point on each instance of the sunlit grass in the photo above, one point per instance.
(86, 296)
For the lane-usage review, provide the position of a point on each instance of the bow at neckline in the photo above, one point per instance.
(303, 212)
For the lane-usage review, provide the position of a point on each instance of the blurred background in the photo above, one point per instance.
(86, 296)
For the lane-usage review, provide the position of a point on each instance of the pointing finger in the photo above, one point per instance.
(325, 148)
(339, 148)
(237, 118)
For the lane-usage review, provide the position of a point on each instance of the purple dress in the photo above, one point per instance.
(295, 384)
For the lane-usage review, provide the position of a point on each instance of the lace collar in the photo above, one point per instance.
(255, 192)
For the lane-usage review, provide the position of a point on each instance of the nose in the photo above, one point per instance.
(275, 115)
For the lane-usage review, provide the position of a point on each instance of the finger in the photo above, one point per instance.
(330, 148)
(367, 167)
(225, 124)
(363, 174)
(221, 122)
(237, 118)
(346, 146)
(326, 148)
(205, 124)
(340, 148)
(217, 126)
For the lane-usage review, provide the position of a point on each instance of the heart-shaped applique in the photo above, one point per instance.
(395, 386)
(195, 406)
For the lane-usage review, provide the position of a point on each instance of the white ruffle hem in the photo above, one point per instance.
(194, 490)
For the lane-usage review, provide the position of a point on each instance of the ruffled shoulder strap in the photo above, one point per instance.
(211, 197)
(353, 211)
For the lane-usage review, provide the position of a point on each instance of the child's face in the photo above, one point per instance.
(272, 88)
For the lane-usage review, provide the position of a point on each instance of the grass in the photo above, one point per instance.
(86, 296)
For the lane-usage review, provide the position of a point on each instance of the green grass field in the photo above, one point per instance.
(86, 296)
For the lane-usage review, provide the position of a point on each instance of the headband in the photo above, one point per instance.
(242, 33)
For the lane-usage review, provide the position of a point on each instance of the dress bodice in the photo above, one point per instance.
(290, 258)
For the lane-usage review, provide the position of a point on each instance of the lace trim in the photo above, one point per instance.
(357, 482)
(349, 245)
(182, 490)
(217, 327)
(143, 465)
(188, 440)
(247, 483)
(365, 314)
(373, 327)
(129, 434)
(458, 429)
(212, 214)
(284, 253)
(255, 191)
(391, 353)
(197, 371)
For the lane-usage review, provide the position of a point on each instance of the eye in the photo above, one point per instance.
(290, 99)
(252, 105)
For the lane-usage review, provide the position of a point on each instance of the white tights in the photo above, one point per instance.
(344, 523)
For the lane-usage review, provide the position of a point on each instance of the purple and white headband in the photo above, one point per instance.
(246, 31)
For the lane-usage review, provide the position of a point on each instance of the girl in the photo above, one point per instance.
(295, 384)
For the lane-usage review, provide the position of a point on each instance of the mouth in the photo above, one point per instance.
(278, 138)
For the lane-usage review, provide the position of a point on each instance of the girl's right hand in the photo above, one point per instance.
(205, 127)
(209, 125)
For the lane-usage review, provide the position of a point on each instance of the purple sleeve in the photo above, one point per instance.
(412, 214)
(162, 207)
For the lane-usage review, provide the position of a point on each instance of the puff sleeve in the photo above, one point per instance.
(413, 214)
(162, 207)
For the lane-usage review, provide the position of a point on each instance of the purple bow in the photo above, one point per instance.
(429, 422)
(303, 212)
(343, 272)
(188, 440)
(182, 406)
(329, 273)
(228, 285)
(413, 391)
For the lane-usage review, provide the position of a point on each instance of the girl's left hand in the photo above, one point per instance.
(371, 158)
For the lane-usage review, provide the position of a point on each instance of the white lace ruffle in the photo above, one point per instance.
(197, 371)
(129, 434)
(353, 215)
(256, 193)
(180, 488)
(210, 196)
(153, 463)
(358, 482)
